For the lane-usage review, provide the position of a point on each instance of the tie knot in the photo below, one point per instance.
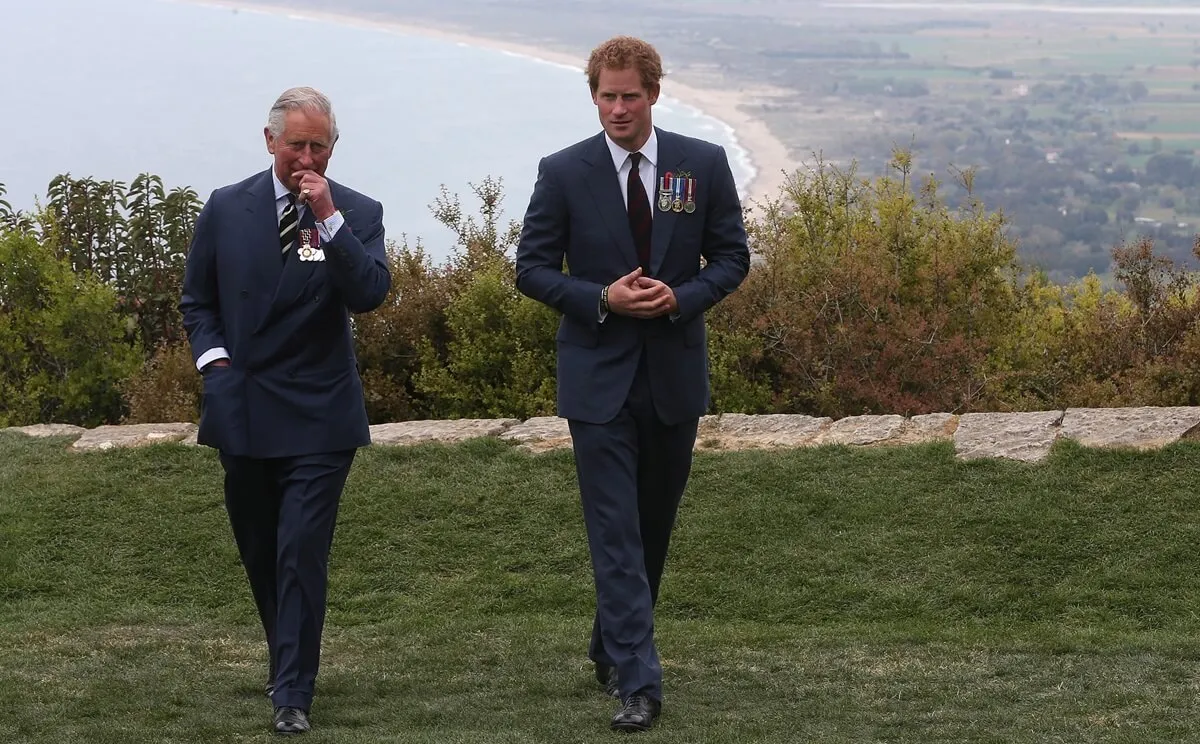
(636, 159)
(291, 199)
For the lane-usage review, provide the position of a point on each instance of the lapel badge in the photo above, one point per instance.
(689, 199)
(664, 192)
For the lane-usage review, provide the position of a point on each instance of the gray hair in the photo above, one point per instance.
(294, 99)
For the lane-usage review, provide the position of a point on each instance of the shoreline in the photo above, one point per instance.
(767, 156)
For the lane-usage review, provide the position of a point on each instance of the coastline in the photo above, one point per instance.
(768, 157)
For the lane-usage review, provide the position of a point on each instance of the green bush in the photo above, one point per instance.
(167, 388)
(500, 359)
(873, 296)
(865, 296)
(63, 348)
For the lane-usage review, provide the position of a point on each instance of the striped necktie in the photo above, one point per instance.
(288, 222)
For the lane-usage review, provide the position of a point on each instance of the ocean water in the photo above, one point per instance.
(115, 88)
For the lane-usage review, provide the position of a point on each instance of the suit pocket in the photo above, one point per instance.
(217, 379)
(221, 402)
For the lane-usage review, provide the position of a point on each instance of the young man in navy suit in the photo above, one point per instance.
(633, 211)
(278, 263)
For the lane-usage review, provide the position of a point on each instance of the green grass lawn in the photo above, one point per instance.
(824, 595)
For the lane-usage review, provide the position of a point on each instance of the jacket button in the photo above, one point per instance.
(317, 299)
(245, 294)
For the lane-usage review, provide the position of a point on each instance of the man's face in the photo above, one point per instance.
(624, 107)
(304, 144)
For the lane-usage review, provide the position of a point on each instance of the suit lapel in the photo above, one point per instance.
(671, 158)
(263, 230)
(602, 182)
(296, 273)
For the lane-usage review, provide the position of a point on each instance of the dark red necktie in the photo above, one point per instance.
(639, 213)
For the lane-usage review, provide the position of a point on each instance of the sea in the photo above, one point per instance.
(113, 88)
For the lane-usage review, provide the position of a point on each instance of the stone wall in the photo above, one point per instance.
(1015, 436)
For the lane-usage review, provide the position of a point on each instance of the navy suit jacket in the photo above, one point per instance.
(292, 387)
(576, 215)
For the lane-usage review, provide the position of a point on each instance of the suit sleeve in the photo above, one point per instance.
(725, 248)
(542, 247)
(358, 265)
(200, 304)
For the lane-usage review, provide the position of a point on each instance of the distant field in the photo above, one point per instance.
(958, 64)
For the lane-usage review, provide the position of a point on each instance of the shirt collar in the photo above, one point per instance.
(280, 190)
(619, 154)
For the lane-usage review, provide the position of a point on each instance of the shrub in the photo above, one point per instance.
(166, 389)
(63, 349)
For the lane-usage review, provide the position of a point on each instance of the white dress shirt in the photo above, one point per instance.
(648, 169)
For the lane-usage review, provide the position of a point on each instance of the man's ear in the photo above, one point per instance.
(270, 140)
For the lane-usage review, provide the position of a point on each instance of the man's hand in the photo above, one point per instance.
(640, 297)
(663, 290)
(314, 191)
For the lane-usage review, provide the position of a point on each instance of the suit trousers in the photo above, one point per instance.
(282, 511)
(632, 473)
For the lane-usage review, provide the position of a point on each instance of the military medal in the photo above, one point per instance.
(677, 187)
(664, 192)
(310, 241)
(689, 202)
(306, 249)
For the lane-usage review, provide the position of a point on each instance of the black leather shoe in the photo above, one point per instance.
(637, 714)
(607, 677)
(269, 688)
(291, 721)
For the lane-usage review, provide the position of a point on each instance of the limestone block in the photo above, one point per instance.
(1014, 436)
(927, 427)
(48, 430)
(1141, 428)
(861, 430)
(454, 430)
(540, 434)
(743, 431)
(132, 435)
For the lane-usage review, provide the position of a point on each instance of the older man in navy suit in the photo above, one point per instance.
(277, 265)
(633, 211)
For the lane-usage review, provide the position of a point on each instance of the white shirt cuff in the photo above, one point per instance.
(211, 355)
(329, 227)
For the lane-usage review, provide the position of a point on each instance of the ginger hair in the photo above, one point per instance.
(622, 53)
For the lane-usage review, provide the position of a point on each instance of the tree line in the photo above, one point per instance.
(867, 295)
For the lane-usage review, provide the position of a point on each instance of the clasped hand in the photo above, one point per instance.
(314, 191)
(640, 296)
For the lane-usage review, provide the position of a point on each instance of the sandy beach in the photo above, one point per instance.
(768, 156)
